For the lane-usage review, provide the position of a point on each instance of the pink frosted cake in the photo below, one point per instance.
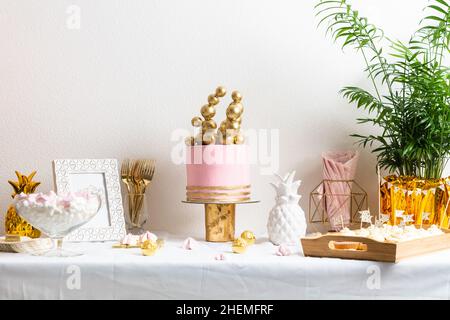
(218, 173)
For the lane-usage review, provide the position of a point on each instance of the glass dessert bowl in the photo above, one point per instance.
(57, 215)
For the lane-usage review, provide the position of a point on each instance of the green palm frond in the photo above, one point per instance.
(414, 115)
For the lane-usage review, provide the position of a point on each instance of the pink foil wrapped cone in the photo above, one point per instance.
(339, 167)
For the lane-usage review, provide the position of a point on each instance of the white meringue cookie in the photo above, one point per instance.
(147, 236)
(130, 240)
(398, 234)
(283, 250)
(190, 244)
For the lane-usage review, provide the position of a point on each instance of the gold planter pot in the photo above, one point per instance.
(427, 200)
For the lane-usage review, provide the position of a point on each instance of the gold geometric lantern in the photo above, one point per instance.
(350, 200)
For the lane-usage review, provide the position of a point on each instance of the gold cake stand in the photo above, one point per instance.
(220, 219)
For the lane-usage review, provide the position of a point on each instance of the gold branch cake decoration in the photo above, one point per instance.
(229, 131)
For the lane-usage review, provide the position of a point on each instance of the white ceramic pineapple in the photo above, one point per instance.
(287, 223)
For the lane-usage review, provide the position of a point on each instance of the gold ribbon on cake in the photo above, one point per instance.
(218, 193)
(426, 199)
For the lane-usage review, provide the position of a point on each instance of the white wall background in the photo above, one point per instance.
(137, 70)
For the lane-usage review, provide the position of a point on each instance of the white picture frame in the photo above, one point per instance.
(76, 174)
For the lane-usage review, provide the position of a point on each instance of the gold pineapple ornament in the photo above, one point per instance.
(14, 224)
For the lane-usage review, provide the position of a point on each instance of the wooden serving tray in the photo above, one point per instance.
(368, 249)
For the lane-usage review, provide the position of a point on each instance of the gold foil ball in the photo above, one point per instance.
(239, 245)
(196, 121)
(148, 247)
(239, 139)
(209, 124)
(236, 96)
(234, 111)
(248, 236)
(221, 92)
(190, 141)
(213, 100)
(208, 112)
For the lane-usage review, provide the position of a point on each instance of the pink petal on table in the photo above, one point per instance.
(283, 251)
(190, 244)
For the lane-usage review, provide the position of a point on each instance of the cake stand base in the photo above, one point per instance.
(219, 219)
(219, 222)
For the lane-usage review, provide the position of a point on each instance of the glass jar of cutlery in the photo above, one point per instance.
(137, 176)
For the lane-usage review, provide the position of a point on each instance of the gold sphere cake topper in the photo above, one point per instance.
(209, 137)
(209, 124)
(229, 129)
(220, 92)
(212, 100)
(234, 111)
(239, 139)
(196, 121)
(236, 96)
(208, 111)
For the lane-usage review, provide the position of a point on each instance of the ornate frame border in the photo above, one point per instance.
(62, 168)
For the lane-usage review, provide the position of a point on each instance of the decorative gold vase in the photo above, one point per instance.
(427, 200)
(14, 224)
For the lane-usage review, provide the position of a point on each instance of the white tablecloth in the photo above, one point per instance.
(174, 273)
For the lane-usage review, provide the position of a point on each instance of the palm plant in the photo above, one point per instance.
(411, 97)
